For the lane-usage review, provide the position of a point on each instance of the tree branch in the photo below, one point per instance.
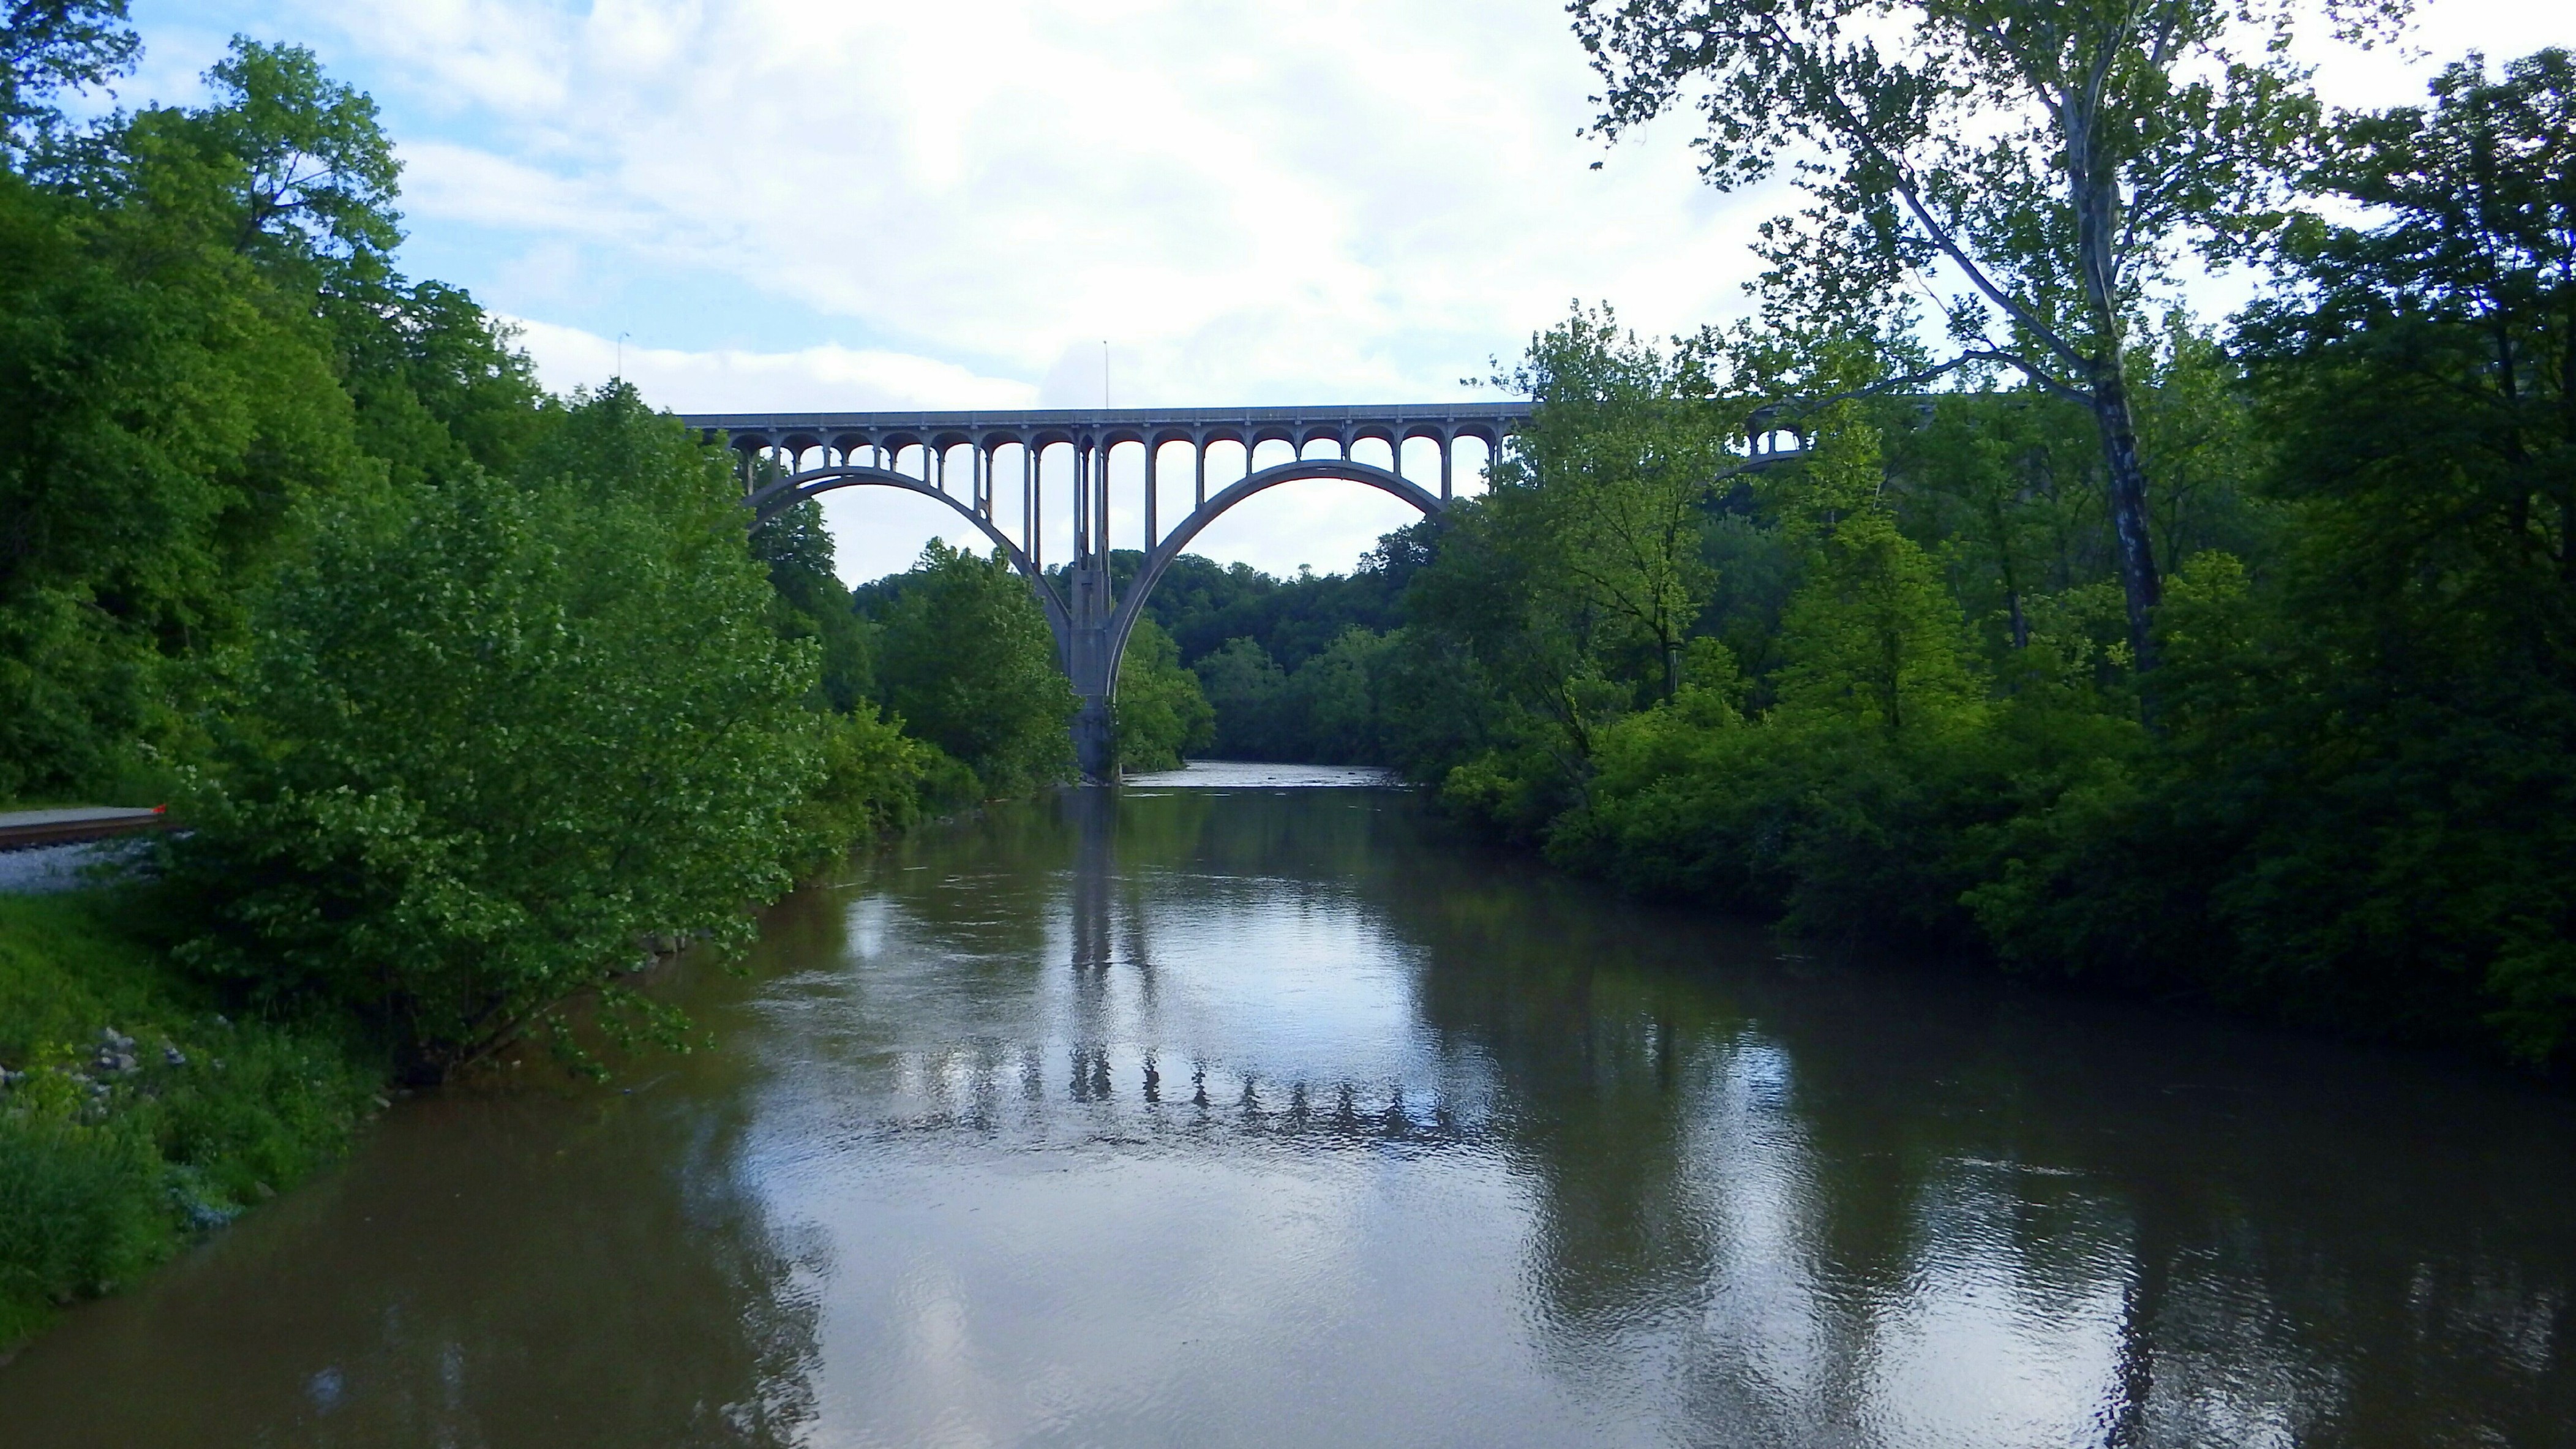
(2047, 335)
(2046, 382)
(1858, 134)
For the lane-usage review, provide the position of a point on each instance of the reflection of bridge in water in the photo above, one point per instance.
(814, 453)
(1138, 953)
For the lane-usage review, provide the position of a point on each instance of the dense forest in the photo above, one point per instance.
(1893, 681)
(474, 700)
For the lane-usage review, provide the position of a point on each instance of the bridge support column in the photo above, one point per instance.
(1087, 666)
(1095, 746)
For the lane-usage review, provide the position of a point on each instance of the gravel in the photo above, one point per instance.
(41, 869)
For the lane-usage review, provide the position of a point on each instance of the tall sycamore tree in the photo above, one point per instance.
(2055, 160)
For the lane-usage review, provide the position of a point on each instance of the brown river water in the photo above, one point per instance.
(1224, 1112)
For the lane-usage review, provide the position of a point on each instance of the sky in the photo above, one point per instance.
(856, 204)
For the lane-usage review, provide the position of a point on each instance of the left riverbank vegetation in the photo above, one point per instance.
(2313, 761)
(474, 699)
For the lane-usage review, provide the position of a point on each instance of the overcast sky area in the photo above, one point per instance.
(796, 204)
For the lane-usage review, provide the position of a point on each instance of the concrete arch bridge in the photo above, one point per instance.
(918, 452)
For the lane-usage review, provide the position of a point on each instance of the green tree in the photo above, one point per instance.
(200, 334)
(163, 410)
(1574, 581)
(51, 46)
(814, 604)
(1160, 711)
(311, 176)
(1202, 605)
(439, 385)
(1289, 622)
(2006, 488)
(2388, 752)
(2057, 157)
(968, 663)
(490, 732)
(1611, 479)
(1246, 689)
(1871, 634)
(875, 781)
(1491, 597)
(1332, 701)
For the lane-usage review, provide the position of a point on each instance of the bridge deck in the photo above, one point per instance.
(1005, 420)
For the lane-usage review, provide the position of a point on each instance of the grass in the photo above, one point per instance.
(104, 1173)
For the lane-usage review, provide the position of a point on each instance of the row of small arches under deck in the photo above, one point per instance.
(992, 467)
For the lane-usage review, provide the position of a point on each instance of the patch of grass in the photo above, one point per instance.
(106, 1169)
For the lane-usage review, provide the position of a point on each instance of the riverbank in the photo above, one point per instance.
(136, 1116)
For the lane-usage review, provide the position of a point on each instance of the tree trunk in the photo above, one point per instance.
(2012, 576)
(2095, 194)
(2128, 488)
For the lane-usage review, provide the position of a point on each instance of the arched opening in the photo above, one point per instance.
(1228, 462)
(1408, 502)
(1123, 473)
(881, 531)
(1471, 465)
(1422, 460)
(1270, 452)
(962, 527)
(1374, 451)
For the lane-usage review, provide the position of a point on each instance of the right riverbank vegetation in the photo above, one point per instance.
(2227, 663)
(2218, 660)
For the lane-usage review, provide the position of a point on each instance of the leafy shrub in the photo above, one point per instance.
(102, 1175)
(493, 731)
(80, 1212)
(875, 781)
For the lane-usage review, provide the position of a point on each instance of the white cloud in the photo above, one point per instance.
(809, 379)
(1339, 202)
(856, 203)
(1329, 201)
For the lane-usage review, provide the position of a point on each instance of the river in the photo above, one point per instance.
(1224, 1112)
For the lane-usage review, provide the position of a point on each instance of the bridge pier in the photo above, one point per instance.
(1089, 652)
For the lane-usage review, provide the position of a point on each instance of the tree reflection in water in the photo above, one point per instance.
(1797, 1203)
(492, 1271)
